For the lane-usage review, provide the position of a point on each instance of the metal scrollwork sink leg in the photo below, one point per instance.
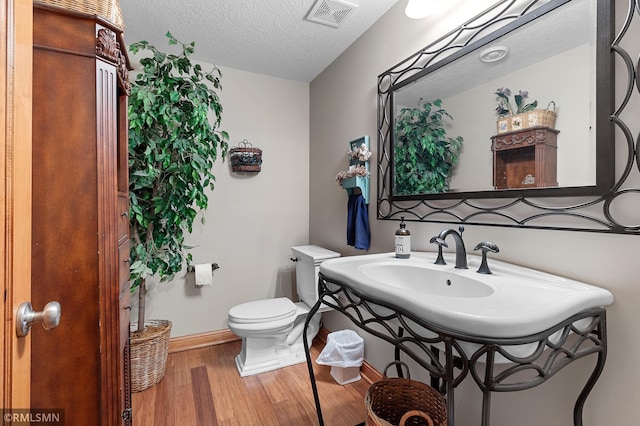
(602, 357)
(312, 376)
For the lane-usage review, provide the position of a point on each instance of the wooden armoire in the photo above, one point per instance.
(80, 226)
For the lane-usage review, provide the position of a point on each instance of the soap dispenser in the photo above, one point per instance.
(403, 241)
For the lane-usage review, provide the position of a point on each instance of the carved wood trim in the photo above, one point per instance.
(106, 45)
(522, 138)
(109, 48)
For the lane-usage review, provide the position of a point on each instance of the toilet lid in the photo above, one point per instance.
(263, 310)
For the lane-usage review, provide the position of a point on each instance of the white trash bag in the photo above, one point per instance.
(343, 349)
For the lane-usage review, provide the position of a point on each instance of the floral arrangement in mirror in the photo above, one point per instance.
(524, 115)
(505, 108)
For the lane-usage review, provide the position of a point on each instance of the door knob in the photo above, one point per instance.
(26, 317)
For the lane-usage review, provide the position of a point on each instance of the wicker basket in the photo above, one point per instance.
(525, 120)
(245, 158)
(107, 9)
(149, 355)
(416, 413)
(391, 399)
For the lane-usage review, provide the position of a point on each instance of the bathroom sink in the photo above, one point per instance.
(514, 301)
(423, 279)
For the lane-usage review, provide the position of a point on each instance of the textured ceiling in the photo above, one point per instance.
(268, 37)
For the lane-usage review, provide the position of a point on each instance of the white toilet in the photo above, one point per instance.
(271, 329)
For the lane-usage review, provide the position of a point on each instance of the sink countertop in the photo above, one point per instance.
(518, 302)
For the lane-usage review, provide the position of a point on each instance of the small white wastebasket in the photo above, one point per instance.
(344, 352)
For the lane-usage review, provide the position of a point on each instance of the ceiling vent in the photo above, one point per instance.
(330, 12)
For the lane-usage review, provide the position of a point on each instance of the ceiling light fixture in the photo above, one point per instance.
(494, 54)
(418, 9)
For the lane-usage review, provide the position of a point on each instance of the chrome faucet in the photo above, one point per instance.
(461, 252)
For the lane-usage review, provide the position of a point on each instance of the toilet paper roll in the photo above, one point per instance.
(204, 274)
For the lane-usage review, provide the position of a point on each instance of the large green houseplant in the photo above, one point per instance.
(174, 140)
(423, 153)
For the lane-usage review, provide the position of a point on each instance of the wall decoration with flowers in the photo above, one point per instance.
(356, 177)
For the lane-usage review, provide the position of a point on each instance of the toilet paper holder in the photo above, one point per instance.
(192, 268)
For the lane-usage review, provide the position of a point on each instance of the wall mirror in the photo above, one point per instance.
(546, 167)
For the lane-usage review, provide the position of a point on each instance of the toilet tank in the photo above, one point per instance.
(308, 260)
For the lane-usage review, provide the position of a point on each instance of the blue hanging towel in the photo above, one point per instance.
(358, 234)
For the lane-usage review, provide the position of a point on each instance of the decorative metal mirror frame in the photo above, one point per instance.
(593, 209)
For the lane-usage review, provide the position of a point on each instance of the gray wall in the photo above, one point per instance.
(252, 220)
(343, 107)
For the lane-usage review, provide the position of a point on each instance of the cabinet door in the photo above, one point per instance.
(78, 121)
(124, 257)
(125, 321)
(64, 252)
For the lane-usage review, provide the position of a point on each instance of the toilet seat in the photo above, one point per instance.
(263, 311)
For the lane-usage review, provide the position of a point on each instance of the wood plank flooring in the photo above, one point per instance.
(202, 387)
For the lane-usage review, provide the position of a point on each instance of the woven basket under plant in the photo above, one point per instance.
(389, 399)
(149, 354)
(107, 9)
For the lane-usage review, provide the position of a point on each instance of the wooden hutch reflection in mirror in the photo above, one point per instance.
(525, 158)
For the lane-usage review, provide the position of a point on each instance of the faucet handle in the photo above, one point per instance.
(440, 242)
(485, 247)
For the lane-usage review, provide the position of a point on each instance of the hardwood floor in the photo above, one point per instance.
(203, 387)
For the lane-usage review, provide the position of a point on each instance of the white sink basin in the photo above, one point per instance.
(425, 280)
(512, 302)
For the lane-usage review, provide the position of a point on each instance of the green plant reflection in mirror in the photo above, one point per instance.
(423, 153)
